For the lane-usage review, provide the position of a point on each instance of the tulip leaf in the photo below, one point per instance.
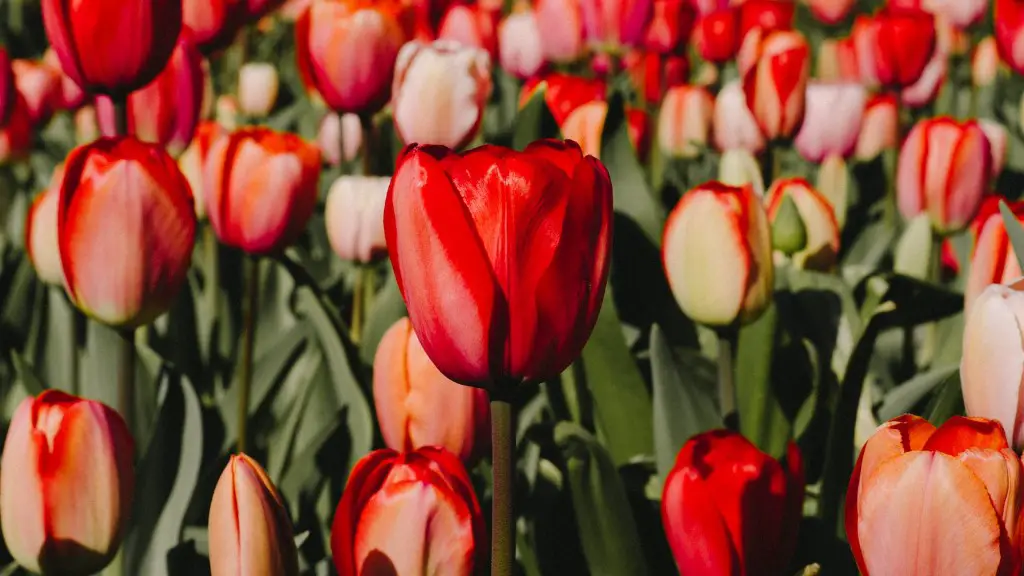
(282, 442)
(685, 401)
(607, 529)
(534, 121)
(621, 399)
(762, 419)
(947, 402)
(388, 307)
(1014, 230)
(29, 381)
(903, 398)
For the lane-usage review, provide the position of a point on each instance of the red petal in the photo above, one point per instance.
(695, 530)
(366, 478)
(960, 433)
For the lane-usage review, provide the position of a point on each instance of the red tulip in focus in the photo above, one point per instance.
(519, 43)
(250, 532)
(346, 50)
(411, 513)
(945, 167)
(261, 189)
(831, 11)
(939, 501)
(41, 245)
(832, 121)
(730, 509)
(471, 26)
(112, 46)
(66, 484)
(905, 42)
(1008, 22)
(776, 86)
(213, 24)
(8, 92)
(718, 36)
(166, 111)
(126, 228)
(446, 223)
(993, 260)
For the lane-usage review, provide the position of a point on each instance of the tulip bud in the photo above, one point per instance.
(737, 167)
(832, 121)
(768, 15)
(729, 508)
(355, 217)
(8, 92)
(261, 189)
(40, 85)
(561, 29)
(471, 26)
(1008, 27)
(944, 169)
(962, 14)
(734, 125)
(41, 232)
(878, 131)
(440, 92)
(417, 406)
(804, 225)
(985, 62)
(685, 120)
(346, 50)
(834, 184)
(831, 12)
(776, 86)
(904, 44)
(113, 47)
(718, 36)
(993, 260)
(125, 227)
(194, 160)
(734, 283)
(213, 23)
(997, 137)
(919, 489)
(166, 111)
(585, 125)
(393, 500)
(66, 484)
(670, 26)
(614, 24)
(257, 89)
(519, 40)
(250, 532)
(926, 89)
(330, 139)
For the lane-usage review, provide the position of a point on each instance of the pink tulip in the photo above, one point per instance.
(734, 124)
(561, 29)
(776, 86)
(355, 217)
(831, 11)
(685, 120)
(832, 121)
(926, 89)
(879, 127)
(41, 232)
(519, 40)
(330, 139)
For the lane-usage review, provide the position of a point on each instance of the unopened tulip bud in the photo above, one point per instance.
(520, 44)
(878, 130)
(734, 283)
(257, 89)
(832, 122)
(737, 167)
(834, 184)
(997, 139)
(985, 62)
(418, 406)
(776, 86)
(330, 140)
(250, 532)
(904, 44)
(685, 121)
(66, 484)
(561, 29)
(804, 226)
(41, 232)
(734, 124)
(440, 92)
(355, 217)
(994, 260)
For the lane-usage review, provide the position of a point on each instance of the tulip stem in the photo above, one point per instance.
(249, 310)
(126, 377)
(341, 143)
(120, 115)
(726, 377)
(502, 449)
(368, 143)
(355, 329)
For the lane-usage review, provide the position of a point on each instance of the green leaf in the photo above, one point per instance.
(904, 397)
(761, 417)
(534, 121)
(29, 381)
(605, 521)
(282, 442)
(685, 400)
(949, 401)
(622, 403)
(388, 307)
(1014, 229)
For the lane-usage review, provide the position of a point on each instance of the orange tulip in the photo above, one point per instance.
(66, 484)
(195, 158)
(938, 501)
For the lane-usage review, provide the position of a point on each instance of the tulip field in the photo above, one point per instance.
(512, 287)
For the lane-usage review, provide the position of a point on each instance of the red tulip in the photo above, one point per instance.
(615, 22)
(768, 15)
(70, 96)
(945, 167)
(471, 26)
(670, 27)
(112, 46)
(126, 228)
(8, 93)
(346, 50)
(905, 42)
(730, 509)
(66, 484)
(412, 513)
(942, 501)
(166, 111)
(718, 36)
(564, 93)
(213, 23)
(16, 135)
(1008, 22)
(993, 260)
(555, 267)
(261, 189)
(776, 86)
(831, 11)
(653, 74)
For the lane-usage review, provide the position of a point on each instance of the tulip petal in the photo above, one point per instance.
(391, 383)
(363, 482)
(21, 493)
(697, 532)
(960, 433)
(1000, 471)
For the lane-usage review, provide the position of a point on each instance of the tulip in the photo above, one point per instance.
(112, 47)
(250, 532)
(519, 43)
(257, 88)
(993, 260)
(260, 189)
(41, 232)
(718, 36)
(997, 140)
(561, 29)
(768, 15)
(213, 23)
(834, 182)
(330, 140)
(417, 406)
(832, 120)
(962, 14)
(428, 15)
(985, 62)
(39, 84)
(1008, 25)
(166, 111)
(738, 167)
(585, 126)
(652, 73)
(831, 12)
(944, 169)
(904, 45)
(70, 96)
(8, 92)
(813, 215)
(685, 121)
(16, 135)
(194, 159)
(879, 127)
(563, 93)
(729, 508)
(125, 227)
(942, 501)
(733, 283)
(440, 92)
(864, 36)
(411, 513)
(613, 23)
(776, 86)
(558, 275)
(292, 10)
(671, 24)
(346, 50)
(926, 89)
(472, 27)
(355, 217)
(66, 483)
(734, 125)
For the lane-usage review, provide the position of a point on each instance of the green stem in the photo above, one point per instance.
(726, 378)
(358, 300)
(120, 115)
(212, 294)
(252, 300)
(341, 143)
(126, 377)
(77, 322)
(502, 448)
(369, 143)
(935, 259)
